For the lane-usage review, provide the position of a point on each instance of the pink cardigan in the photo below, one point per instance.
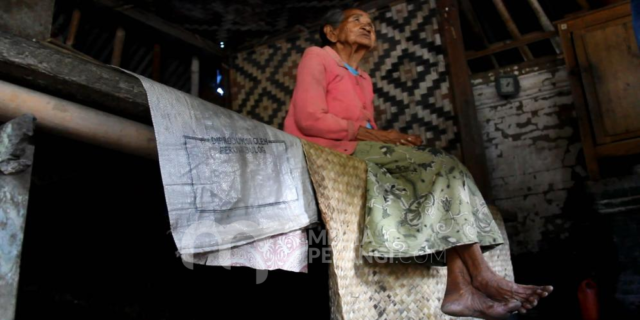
(329, 103)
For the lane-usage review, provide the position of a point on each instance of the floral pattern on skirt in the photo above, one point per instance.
(421, 201)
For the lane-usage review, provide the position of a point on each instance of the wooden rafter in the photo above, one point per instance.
(512, 28)
(162, 25)
(502, 46)
(546, 23)
(470, 14)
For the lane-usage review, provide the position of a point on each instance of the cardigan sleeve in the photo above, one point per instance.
(309, 99)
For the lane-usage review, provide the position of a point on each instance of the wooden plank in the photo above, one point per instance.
(14, 197)
(586, 135)
(594, 17)
(610, 67)
(512, 28)
(43, 68)
(473, 151)
(523, 68)
(502, 46)
(30, 19)
(162, 25)
(621, 148)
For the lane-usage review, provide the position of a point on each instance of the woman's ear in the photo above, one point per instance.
(331, 33)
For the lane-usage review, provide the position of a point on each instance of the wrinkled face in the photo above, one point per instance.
(356, 29)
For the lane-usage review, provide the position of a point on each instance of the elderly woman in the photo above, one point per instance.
(421, 202)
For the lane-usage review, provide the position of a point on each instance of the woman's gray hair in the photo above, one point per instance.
(333, 18)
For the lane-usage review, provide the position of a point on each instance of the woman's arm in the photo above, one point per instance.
(390, 136)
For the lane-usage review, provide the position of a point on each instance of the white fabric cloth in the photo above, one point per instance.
(228, 180)
(287, 251)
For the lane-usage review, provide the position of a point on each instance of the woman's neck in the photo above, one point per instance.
(351, 54)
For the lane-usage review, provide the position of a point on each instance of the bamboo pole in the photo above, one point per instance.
(73, 28)
(156, 73)
(195, 76)
(512, 28)
(584, 4)
(546, 23)
(118, 45)
(74, 121)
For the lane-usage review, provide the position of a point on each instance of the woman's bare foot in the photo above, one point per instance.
(463, 300)
(501, 289)
(496, 287)
(466, 301)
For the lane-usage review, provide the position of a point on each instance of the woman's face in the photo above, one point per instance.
(356, 29)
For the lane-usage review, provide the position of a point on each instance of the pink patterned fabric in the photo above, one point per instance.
(286, 251)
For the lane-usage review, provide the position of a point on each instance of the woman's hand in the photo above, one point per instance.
(389, 136)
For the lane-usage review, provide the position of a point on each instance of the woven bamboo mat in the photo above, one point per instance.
(360, 289)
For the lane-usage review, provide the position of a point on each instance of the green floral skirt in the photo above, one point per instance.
(420, 202)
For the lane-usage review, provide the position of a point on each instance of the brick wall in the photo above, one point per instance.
(532, 142)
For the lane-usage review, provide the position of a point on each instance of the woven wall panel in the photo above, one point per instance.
(407, 67)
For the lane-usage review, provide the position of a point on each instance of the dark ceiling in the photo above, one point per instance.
(240, 21)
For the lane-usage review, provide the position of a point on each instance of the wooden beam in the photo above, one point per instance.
(30, 19)
(118, 45)
(470, 14)
(512, 28)
(502, 46)
(473, 152)
(546, 23)
(41, 67)
(73, 27)
(162, 25)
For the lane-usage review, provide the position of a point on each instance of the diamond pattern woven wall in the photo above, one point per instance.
(407, 68)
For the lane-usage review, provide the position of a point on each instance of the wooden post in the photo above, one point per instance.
(14, 197)
(118, 45)
(546, 23)
(472, 143)
(195, 76)
(156, 73)
(73, 28)
(512, 28)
